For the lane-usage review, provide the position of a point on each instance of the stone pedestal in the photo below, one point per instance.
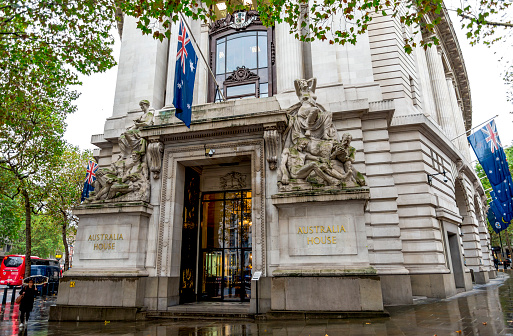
(323, 259)
(108, 269)
(323, 291)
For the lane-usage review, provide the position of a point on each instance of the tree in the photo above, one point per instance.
(337, 21)
(11, 218)
(65, 193)
(342, 21)
(35, 103)
(487, 187)
(42, 44)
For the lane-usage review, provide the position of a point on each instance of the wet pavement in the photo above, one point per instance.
(487, 310)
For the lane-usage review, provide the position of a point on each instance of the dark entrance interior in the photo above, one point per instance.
(189, 236)
(225, 250)
(216, 254)
(457, 267)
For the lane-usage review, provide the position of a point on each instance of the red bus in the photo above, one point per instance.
(12, 269)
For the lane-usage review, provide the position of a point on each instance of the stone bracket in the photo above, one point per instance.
(272, 142)
(155, 152)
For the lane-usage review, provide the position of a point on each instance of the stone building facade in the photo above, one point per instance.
(188, 215)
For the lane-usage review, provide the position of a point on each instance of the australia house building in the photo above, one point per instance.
(333, 173)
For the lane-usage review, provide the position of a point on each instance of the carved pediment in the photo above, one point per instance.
(241, 74)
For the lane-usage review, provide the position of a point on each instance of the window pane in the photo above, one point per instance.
(262, 51)
(264, 89)
(240, 90)
(232, 195)
(212, 225)
(232, 278)
(232, 223)
(239, 35)
(241, 51)
(246, 223)
(212, 196)
(248, 260)
(212, 274)
(221, 57)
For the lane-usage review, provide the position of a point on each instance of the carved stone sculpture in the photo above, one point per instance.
(155, 150)
(313, 156)
(127, 178)
(271, 138)
(131, 139)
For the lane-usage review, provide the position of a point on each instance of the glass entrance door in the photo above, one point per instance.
(226, 246)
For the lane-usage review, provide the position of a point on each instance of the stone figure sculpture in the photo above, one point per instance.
(131, 139)
(313, 156)
(127, 178)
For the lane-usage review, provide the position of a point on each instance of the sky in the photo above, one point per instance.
(483, 68)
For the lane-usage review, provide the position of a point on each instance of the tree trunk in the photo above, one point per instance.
(28, 233)
(65, 242)
(508, 242)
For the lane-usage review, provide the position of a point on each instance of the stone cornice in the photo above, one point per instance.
(425, 126)
(454, 56)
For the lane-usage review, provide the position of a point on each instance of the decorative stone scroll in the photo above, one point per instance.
(127, 179)
(155, 152)
(271, 138)
(459, 168)
(313, 156)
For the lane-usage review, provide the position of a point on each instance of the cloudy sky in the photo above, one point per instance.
(484, 71)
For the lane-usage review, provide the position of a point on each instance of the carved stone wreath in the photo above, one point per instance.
(242, 74)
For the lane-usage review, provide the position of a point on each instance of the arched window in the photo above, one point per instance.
(241, 56)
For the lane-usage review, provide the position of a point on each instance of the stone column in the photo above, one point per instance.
(141, 70)
(460, 142)
(289, 58)
(440, 90)
(171, 61)
(428, 103)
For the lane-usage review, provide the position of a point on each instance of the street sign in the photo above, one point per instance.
(256, 276)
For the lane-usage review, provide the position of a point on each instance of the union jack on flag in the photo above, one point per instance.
(183, 40)
(185, 73)
(492, 136)
(92, 167)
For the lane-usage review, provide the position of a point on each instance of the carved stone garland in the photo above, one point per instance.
(241, 74)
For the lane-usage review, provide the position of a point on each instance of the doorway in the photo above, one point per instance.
(225, 254)
(457, 266)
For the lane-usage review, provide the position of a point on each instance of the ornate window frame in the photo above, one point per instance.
(234, 23)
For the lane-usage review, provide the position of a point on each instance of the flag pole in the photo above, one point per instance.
(500, 239)
(204, 59)
(473, 128)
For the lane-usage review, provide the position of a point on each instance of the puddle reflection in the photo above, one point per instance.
(488, 310)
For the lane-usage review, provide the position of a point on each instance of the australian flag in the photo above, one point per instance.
(491, 156)
(495, 218)
(92, 167)
(185, 73)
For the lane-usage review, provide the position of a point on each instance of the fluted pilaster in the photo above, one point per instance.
(289, 58)
(440, 91)
(460, 142)
(428, 102)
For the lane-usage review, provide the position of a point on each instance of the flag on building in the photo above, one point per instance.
(185, 73)
(92, 167)
(495, 218)
(491, 156)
